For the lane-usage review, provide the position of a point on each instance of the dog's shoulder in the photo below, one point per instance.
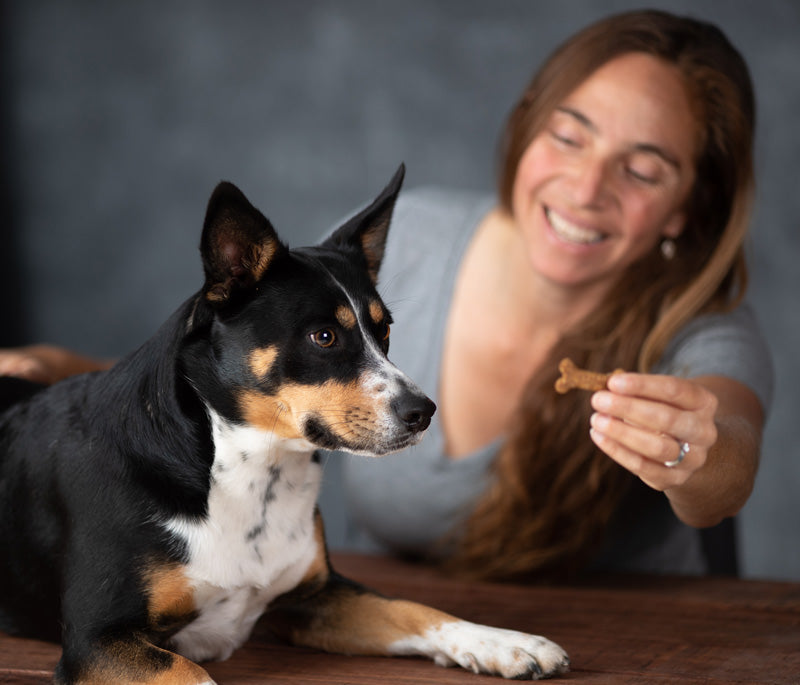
(15, 390)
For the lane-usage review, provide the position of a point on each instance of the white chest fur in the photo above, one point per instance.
(257, 540)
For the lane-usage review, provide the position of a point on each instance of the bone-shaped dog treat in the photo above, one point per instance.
(573, 377)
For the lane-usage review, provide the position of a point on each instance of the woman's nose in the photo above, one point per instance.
(589, 182)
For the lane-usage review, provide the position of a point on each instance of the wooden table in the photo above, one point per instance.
(616, 630)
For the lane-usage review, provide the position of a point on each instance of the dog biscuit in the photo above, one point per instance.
(574, 377)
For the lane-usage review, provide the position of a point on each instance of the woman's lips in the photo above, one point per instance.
(570, 232)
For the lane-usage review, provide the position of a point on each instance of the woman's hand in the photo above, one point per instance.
(660, 428)
(45, 363)
(21, 363)
(710, 425)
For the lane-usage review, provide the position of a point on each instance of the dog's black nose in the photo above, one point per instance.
(415, 411)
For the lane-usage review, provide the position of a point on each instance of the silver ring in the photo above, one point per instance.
(684, 450)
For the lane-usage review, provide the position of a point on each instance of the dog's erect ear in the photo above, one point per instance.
(367, 230)
(237, 246)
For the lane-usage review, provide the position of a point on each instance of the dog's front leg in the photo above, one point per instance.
(126, 661)
(346, 618)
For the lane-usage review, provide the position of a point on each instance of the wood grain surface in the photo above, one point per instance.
(616, 630)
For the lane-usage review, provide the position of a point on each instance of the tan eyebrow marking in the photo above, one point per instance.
(376, 311)
(579, 116)
(346, 316)
(261, 360)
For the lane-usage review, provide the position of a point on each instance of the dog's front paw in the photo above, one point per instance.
(482, 649)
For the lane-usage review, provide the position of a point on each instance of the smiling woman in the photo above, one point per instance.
(625, 182)
(608, 176)
(615, 240)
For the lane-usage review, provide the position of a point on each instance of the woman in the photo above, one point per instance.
(624, 195)
(617, 241)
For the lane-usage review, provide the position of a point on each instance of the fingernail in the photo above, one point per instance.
(617, 382)
(598, 421)
(601, 400)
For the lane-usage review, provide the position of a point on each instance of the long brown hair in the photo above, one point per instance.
(554, 492)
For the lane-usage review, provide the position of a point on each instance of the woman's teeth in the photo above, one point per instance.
(570, 232)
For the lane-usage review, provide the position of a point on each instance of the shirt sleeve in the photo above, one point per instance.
(729, 344)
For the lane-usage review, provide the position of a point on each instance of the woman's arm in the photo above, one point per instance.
(46, 363)
(642, 421)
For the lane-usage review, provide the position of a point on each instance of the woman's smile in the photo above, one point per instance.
(571, 232)
(607, 177)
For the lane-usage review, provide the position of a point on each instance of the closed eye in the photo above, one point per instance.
(643, 178)
(564, 140)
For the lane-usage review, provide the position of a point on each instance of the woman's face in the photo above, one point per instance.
(608, 177)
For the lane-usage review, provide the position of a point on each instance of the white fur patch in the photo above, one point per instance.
(483, 649)
(257, 541)
(384, 382)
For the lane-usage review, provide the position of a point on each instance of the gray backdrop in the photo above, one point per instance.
(120, 118)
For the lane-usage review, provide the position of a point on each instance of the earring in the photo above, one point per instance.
(668, 248)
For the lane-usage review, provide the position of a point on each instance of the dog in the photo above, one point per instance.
(150, 514)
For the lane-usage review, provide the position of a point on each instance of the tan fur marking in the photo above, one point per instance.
(268, 413)
(262, 258)
(368, 624)
(261, 360)
(169, 592)
(319, 569)
(217, 293)
(255, 262)
(133, 662)
(346, 408)
(346, 317)
(372, 243)
(376, 311)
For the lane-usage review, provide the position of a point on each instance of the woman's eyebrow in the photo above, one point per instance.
(650, 148)
(580, 116)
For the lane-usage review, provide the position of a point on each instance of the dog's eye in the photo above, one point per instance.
(324, 338)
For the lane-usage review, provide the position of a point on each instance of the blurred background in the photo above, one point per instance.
(118, 118)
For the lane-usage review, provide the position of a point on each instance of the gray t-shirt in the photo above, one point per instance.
(408, 501)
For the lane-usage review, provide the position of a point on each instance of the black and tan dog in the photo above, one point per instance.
(150, 514)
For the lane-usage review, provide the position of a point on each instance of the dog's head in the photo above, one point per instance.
(298, 338)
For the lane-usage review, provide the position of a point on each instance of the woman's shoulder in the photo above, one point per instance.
(729, 344)
(431, 227)
(434, 210)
